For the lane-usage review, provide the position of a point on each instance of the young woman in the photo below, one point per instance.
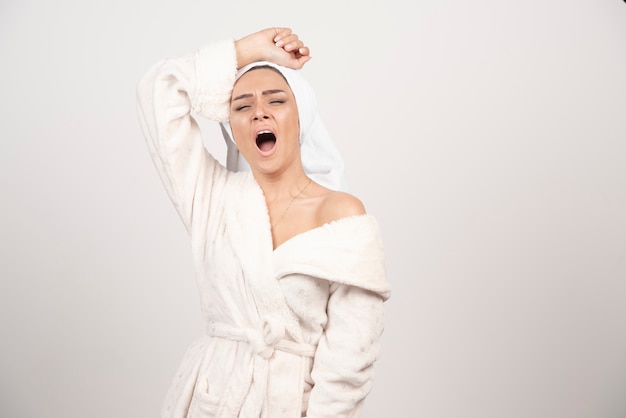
(291, 272)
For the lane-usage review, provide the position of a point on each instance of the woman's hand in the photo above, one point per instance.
(277, 45)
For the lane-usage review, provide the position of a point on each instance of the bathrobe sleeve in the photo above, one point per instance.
(166, 96)
(343, 364)
(349, 254)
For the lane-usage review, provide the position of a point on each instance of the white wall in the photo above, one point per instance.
(488, 137)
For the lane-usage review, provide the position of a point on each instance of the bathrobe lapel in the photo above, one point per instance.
(250, 234)
(347, 251)
(269, 316)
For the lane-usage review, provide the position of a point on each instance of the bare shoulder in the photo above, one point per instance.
(339, 205)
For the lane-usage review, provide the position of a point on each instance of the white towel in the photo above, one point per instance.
(321, 159)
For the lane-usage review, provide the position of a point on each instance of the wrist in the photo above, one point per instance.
(246, 52)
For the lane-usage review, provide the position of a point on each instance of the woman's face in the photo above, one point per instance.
(264, 120)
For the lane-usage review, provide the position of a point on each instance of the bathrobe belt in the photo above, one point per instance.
(263, 340)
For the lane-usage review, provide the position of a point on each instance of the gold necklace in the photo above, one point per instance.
(289, 205)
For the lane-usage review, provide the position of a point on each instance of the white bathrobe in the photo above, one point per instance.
(292, 331)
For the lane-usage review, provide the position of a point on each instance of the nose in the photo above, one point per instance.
(260, 113)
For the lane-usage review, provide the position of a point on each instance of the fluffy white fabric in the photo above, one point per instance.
(292, 331)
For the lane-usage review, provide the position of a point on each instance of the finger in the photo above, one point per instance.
(293, 45)
(302, 60)
(280, 33)
(291, 38)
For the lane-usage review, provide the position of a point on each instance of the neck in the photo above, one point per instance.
(281, 186)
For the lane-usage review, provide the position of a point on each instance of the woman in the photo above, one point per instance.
(291, 273)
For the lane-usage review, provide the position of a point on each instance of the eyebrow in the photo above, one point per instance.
(264, 93)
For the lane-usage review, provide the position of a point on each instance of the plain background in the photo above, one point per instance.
(487, 137)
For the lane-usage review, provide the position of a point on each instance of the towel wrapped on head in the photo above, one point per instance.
(321, 159)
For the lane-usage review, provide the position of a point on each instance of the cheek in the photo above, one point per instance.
(236, 128)
(291, 121)
(295, 126)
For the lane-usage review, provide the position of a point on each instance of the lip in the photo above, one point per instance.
(263, 128)
(256, 134)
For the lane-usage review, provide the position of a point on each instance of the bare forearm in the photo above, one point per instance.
(277, 45)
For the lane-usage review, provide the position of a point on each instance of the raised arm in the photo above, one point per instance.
(166, 96)
(201, 82)
(278, 45)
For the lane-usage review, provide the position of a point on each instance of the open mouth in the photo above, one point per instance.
(265, 140)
